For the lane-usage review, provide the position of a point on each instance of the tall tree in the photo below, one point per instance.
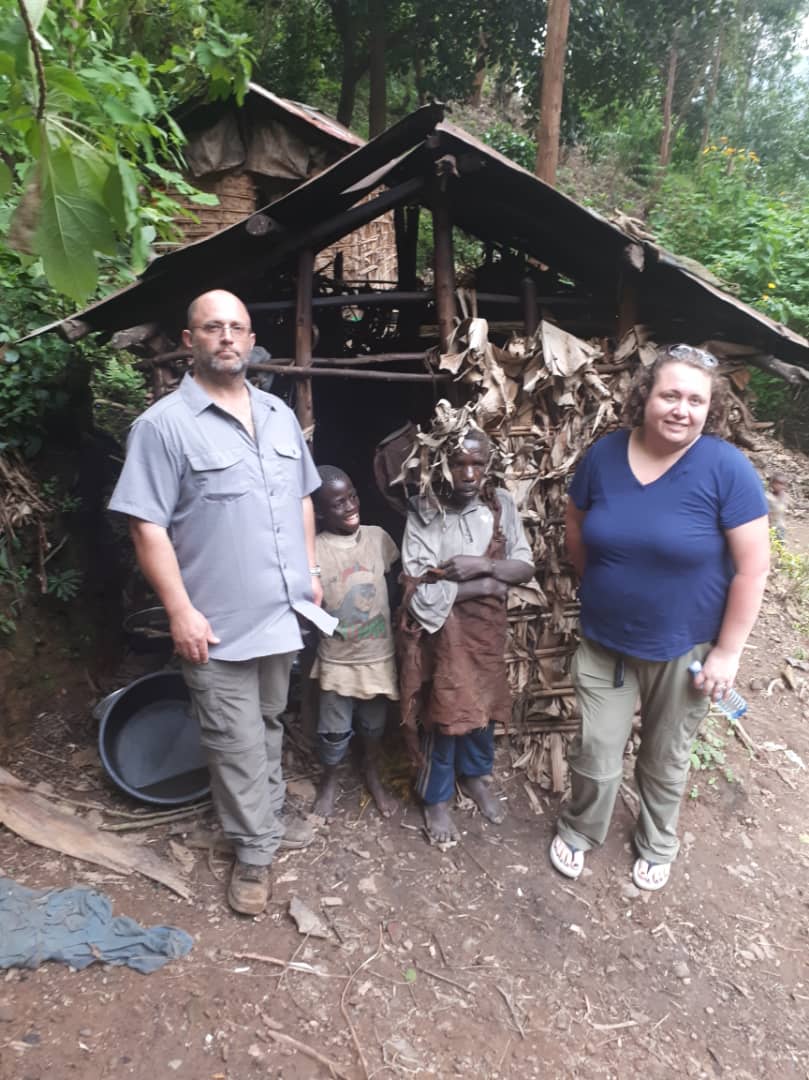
(553, 78)
(377, 97)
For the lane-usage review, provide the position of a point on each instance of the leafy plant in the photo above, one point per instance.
(90, 143)
(64, 584)
(790, 580)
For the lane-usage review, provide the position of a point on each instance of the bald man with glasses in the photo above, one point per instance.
(217, 487)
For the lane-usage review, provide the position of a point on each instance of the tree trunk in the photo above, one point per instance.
(553, 78)
(346, 26)
(716, 67)
(665, 139)
(479, 74)
(377, 101)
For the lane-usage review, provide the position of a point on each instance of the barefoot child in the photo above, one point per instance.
(462, 548)
(355, 668)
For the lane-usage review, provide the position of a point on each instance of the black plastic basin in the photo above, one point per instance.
(149, 741)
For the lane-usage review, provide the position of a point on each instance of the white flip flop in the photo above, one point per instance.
(650, 876)
(568, 860)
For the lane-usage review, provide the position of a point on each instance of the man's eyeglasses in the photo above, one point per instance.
(692, 354)
(216, 329)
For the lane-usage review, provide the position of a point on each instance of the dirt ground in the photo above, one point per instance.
(480, 961)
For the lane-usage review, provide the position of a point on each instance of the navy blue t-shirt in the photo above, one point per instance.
(658, 564)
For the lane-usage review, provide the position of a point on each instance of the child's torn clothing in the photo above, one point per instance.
(453, 678)
(76, 927)
(358, 661)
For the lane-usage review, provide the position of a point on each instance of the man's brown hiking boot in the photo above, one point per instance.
(249, 888)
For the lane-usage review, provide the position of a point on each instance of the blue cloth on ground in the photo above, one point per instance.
(658, 564)
(76, 926)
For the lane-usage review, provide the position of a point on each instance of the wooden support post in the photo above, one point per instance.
(304, 409)
(529, 305)
(627, 306)
(443, 264)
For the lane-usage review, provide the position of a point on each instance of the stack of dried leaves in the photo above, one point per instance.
(22, 506)
(544, 400)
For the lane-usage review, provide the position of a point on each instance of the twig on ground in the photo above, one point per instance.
(443, 978)
(575, 895)
(503, 1055)
(481, 867)
(743, 737)
(165, 817)
(288, 965)
(511, 1009)
(344, 1010)
(302, 1048)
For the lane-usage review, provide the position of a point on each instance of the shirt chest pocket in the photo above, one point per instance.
(284, 460)
(220, 476)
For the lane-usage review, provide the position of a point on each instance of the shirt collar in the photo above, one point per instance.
(198, 401)
(428, 510)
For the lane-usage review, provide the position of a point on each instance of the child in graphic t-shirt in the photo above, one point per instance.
(355, 668)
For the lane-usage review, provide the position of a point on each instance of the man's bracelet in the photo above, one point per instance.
(315, 571)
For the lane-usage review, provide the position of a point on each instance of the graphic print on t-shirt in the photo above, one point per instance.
(355, 612)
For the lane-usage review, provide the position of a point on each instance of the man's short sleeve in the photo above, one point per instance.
(309, 477)
(149, 485)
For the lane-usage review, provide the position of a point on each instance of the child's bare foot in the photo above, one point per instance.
(440, 827)
(386, 804)
(479, 792)
(326, 794)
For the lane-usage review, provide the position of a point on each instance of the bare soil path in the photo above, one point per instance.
(478, 962)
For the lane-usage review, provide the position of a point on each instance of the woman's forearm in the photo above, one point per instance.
(742, 608)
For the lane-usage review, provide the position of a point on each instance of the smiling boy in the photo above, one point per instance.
(355, 668)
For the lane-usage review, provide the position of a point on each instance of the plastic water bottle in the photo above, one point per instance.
(732, 704)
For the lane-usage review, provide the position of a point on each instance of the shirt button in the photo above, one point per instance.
(277, 528)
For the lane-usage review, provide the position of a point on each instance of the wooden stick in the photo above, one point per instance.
(147, 820)
(443, 264)
(344, 1010)
(352, 373)
(443, 978)
(511, 1009)
(315, 1055)
(304, 409)
(287, 965)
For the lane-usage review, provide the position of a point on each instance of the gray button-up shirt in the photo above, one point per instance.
(232, 508)
(432, 536)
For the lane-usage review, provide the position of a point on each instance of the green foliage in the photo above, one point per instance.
(64, 584)
(790, 580)
(708, 753)
(723, 215)
(119, 395)
(86, 126)
(513, 144)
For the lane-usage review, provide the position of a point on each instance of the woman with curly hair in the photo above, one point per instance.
(667, 527)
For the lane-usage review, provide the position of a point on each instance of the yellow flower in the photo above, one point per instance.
(723, 138)
(770, 284)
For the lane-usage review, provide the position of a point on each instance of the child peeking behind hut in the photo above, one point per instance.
(356, 668)
(463, 546)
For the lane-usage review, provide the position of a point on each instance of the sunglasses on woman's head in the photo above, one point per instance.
(691, 353)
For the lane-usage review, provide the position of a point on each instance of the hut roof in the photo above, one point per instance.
(492, 199)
